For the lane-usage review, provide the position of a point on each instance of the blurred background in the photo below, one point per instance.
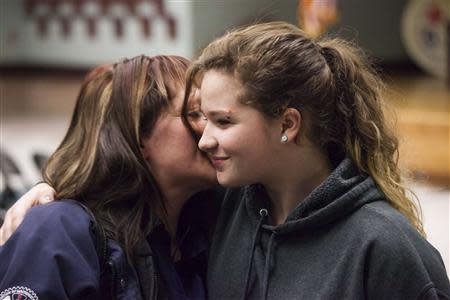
(47, 46)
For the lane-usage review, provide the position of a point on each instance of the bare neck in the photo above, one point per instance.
(174, 200)
(296, 180)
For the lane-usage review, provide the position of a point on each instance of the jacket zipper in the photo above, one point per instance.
(113, 279)
(156, 283)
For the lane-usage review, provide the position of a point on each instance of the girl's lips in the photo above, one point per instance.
(217, 161)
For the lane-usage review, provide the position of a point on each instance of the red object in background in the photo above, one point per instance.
(315, 16)
(434, 14)
(44, 11)
(425, 35)
(146, 27)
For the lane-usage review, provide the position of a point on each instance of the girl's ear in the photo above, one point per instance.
(291, 122)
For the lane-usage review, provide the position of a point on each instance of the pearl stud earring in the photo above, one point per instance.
(284, 138)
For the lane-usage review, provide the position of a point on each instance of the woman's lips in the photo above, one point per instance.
(218, 161)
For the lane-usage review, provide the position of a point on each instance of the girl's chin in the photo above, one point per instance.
(226, 182)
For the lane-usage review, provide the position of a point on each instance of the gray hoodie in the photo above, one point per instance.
(344, 241)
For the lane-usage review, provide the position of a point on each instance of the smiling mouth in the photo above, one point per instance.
(218, 161)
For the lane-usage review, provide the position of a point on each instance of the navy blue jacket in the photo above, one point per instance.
(52, 255)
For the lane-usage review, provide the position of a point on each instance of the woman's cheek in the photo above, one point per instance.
(198, 126)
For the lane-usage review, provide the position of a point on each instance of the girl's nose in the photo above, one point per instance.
(207, 142)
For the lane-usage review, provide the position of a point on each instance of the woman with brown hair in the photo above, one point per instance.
(318, 208)
(323, 213)
(129, 164)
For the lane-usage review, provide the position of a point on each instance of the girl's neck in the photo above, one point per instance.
(294, 184)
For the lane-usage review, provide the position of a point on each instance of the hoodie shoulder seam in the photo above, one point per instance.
(389, 221)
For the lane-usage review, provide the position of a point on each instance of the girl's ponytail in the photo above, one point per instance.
(367, 140)
(331, 82)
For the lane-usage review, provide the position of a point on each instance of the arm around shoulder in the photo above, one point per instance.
(52, 255)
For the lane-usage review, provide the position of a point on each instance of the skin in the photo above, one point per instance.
(233, 131)
(178, 166)
(195, 116)
(245, 146)
(40, 194)
(241, 143)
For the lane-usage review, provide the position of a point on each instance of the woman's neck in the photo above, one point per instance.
(174, 202)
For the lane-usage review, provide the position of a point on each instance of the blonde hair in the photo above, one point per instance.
(331, 80)
(99, 161)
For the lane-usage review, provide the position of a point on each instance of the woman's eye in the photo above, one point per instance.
(196, 114)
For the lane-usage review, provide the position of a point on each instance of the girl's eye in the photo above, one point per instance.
(223, 122)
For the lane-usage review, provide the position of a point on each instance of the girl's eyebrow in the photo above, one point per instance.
(213, 113)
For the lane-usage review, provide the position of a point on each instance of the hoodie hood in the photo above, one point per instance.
(338, 243)
(343, 192)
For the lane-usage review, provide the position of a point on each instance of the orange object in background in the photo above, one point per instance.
(316, 16)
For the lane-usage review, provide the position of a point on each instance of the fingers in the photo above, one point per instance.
(12, 220)
(40, 194)
(45, 199)
(43, 194)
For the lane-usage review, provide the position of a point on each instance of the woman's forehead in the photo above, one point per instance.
(194, 100)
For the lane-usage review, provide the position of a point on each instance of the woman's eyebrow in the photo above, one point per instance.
(192, 106)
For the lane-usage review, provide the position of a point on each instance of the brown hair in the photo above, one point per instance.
(99, 161)
(331, 80)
